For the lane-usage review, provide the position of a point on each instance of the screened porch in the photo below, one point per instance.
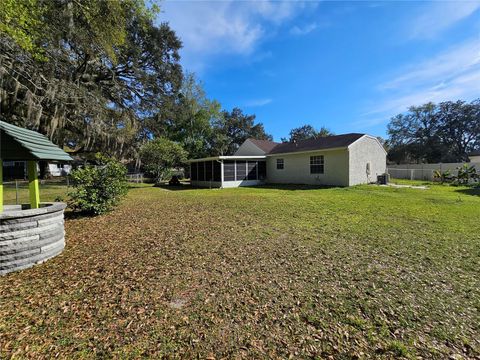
(228, 171)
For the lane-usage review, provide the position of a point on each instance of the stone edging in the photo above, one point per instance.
(30, 236)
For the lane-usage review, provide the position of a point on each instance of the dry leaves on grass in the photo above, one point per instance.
(254, 273)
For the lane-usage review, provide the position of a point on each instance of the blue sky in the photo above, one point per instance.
(348, 66)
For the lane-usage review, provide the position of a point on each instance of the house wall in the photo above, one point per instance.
(249, 149)
(297, 169)
(364, 150)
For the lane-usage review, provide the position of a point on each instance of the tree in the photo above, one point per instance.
(435, 133)
(306, 132)
(189, 121)
(20, 20)
(87, 73)
(160, 156)
(232, 129)
(459, 125)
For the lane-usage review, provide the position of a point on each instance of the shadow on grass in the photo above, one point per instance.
(474, 191)
(291, 187)
(177, 187)
(76, 215)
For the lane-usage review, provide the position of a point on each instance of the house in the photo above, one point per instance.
(59, 169)
(340, 160)
(474, 156)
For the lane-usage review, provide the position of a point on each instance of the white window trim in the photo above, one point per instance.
(317, 164)
(282, 160)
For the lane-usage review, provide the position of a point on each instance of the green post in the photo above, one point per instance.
(1, 185)
(33, 184)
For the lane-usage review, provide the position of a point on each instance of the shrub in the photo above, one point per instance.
(466, 175)
(97, 189)
(445, 176)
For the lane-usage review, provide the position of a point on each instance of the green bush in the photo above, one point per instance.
(97, 189)
(467, 175)
(445, 176)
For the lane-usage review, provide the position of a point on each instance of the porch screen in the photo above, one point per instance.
(193, 171)
(262, 170)
(201, 171)
(229, 170)
(252, 170)
(241, 170)
(208, 171)
(217, 171)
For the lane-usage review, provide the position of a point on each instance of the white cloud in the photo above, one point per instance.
(303, 30)
(439, 16)
(449, 64)
(258, 102)
(209, 28)
(450, 75)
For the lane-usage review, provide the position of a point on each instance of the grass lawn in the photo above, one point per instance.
(48, 192)
(250, 273)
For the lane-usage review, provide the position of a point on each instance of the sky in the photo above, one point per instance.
(349, 66)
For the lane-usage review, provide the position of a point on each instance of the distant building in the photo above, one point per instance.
(58, 169)
(474, 156)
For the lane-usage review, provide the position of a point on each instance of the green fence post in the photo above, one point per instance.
(33, 184)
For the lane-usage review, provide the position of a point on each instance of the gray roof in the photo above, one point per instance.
(321, 143)
(265, 145)
(21, 144)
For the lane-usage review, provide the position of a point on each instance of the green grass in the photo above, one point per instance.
(48, 192)
(260, 272)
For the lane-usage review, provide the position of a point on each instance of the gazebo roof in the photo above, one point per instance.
(17, 143)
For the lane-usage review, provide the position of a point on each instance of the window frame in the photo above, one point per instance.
(280, 164)
(317, 164)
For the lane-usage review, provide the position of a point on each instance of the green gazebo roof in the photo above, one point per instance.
(17, 143)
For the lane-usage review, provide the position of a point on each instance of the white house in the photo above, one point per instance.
(57, 169)
(340, 160)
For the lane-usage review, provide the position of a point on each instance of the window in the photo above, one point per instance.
(317, 164)
(280, 164)
(369, 167)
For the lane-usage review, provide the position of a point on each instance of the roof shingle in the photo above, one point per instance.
(322, 143)
(21, 144)
(265, 145)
